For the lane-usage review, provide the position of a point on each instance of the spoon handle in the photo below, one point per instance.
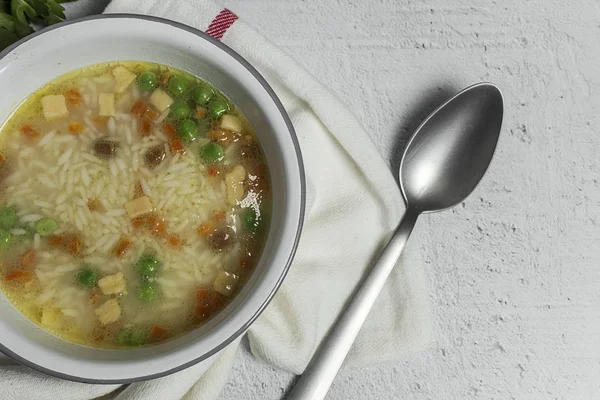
(325, 363)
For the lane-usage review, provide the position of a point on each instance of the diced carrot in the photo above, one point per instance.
(151, 115)
(203, 295)
(157, 333)
(122, 247)
(73, 97)
(170, 131)
(205, 229)
(100, 121)
(138, 108)
(29, 259)
(2, 159)
(95, 205)
(72, 244)
(18, 274)
(220, 215)
(145, 127)
(75, 128)
(55, 241)
(164, 79)
(158, 226)
(174, 240)
(30, 133)
(200, 112)
(213, 171)
(95, 296)
(138, 222)
(176, 146)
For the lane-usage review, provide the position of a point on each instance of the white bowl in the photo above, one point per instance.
(54, 51)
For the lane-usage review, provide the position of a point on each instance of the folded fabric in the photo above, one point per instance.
(353, 204)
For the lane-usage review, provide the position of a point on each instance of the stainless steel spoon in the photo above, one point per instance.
(442, 164)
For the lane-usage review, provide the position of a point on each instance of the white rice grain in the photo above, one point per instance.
(145, 187)
(162, 116)
(113, 168)
(111, 242)
(41, 203)
(44, 180)
(111, 126)
(31, 218)
(120, 164)
(18, 231)
(36, 241)
(117, 212)
(65, 156)
(92, 158)
(85, 177)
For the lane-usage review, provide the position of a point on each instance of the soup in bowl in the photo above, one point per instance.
(152, 198)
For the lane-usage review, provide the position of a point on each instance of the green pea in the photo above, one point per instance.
(46, 226)
(8, 217)
(177, 85)
(202, 94)
(188, 130)
(5, 239)
(217, 107)
(146, 292)
(248, 219)
(87, 277)
(211, 153)
(147, 81)
(180, 111)
(147, 265)
(131, 337)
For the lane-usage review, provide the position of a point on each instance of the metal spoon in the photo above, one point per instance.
(442, 164)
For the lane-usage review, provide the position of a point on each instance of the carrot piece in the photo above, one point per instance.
(29, 259)
(138, 108)
(30, 133)
(55, 241)
(151, 115)
(157, 333)
(158, 226)
(2, 159)
(73, 97)
(202, 311)
(18, 274)
(205, 229)
(122, 247)
(176, 146)
(170, 131)
(174, 240)
(213, 171)
(203, 295)
(95, 205)
(75, 128)
(72, 244)
(219, 215)
(145, 127)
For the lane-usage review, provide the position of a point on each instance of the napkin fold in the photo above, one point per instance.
(353, 204)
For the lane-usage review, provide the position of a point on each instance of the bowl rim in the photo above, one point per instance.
(241, 60)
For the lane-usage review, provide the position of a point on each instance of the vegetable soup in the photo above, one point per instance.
(134, 204)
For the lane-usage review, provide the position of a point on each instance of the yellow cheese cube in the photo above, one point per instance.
(231, 123)
(112, 284)
(160, 100)
(234, 183)
(123, 78)
(54, 107)
(107, 105)
(109, 312)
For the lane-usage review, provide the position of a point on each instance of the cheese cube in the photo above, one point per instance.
(140, 206)
(234, 183)
(54, 107)
(123, 78)
(109, 312)
(112, 284)
(231, 123)
(160, 100)
(225, 283)
(107, 105)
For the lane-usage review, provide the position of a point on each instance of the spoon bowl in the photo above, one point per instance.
(450, 151)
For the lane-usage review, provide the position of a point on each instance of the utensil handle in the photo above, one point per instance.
(323, 367)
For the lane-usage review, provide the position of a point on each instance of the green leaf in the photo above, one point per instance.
(7, 22)
(56, 9)
(7, 38)
(21, 10)
(39, 6)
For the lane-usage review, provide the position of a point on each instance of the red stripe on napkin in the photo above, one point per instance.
(221, 23)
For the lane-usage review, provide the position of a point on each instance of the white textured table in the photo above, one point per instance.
(515, 271)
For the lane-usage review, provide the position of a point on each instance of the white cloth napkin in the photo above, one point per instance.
(353, 205)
